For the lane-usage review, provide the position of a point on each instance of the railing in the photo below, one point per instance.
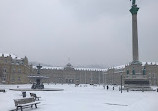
(136, 76)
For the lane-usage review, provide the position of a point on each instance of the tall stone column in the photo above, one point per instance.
(134, 11)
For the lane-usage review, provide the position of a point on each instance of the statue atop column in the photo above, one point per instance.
(134, 8)
(136, 78)
(133, 2)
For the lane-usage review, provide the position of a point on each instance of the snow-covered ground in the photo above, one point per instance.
(83, 99)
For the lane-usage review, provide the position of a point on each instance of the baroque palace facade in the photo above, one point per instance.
(149, 69)
(14, 70)
(71, 75)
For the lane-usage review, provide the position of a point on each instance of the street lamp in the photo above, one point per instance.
(121, 82)
(85, 81)
(99, 78)
(104, 79)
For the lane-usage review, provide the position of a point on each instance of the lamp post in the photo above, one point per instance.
(121, 79)
(91, 78)
(104, 79)
(85, 81)
(121, 83)
(99, 78)
(120, 72)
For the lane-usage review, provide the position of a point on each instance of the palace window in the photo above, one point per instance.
(5, 60)
(4, 70)
(19, 70)
(13, 79)
(19, 79)
(3, 77)
(14, 70)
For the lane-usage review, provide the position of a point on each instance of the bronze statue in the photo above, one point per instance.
(133, 2)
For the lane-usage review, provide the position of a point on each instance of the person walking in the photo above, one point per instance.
(107, 87)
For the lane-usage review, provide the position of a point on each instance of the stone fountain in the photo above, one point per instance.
(37, 79)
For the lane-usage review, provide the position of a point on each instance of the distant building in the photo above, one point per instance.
(71, 75)
(14, 70)
(149, 70)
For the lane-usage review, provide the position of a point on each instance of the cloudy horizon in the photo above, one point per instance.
(89, 32)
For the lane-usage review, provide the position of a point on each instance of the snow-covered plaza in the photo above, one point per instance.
(90, 98)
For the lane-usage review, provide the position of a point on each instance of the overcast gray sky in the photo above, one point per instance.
(87, 31)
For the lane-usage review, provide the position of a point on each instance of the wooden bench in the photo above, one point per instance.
(2, 90)
(76, 85)
(24, 103)
(34, 96)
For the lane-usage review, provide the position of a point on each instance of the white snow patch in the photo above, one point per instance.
(12, 55)
(61, 68)
(149, 63)
(120, 67)
(88, 98)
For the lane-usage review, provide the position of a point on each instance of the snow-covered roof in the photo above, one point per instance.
(12, 55)
(37, 76)
(48, 67)
(149, 63)
(119, 67)
(143, 64)
(90, 69)
(97, 69)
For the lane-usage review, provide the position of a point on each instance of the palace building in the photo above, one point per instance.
(148, 69)
(14, 70)
(71, 75)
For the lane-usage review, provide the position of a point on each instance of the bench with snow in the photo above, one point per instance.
(34, 96)
(2, 90)
(25, 103)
